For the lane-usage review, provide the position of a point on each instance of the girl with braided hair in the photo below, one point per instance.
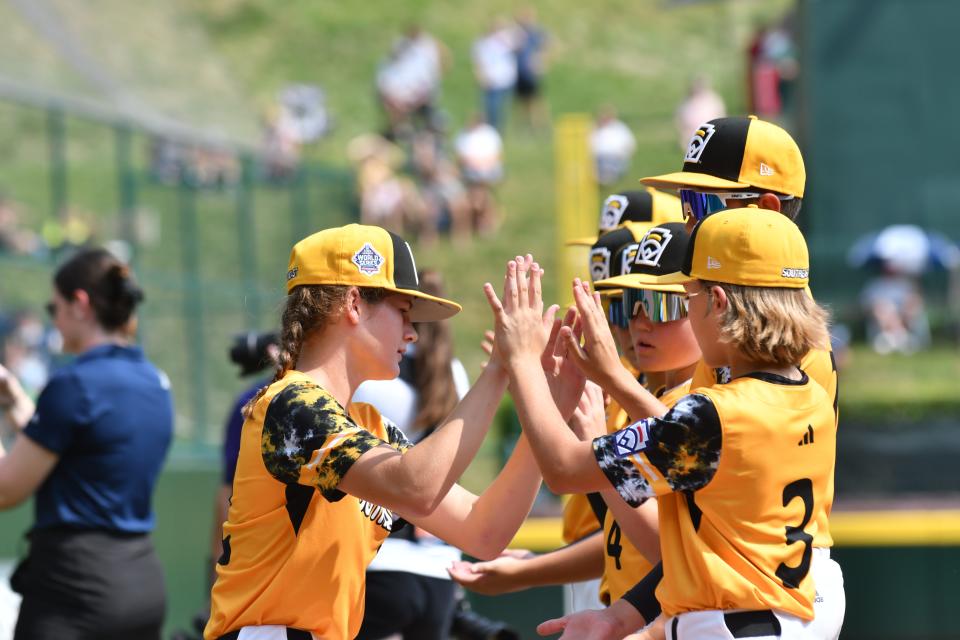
(91, 451)
(321, 481)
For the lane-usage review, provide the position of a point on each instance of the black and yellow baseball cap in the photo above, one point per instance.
(749, 246)
(364, 256)
(739, 153)
(655, 262)
(607, 255)
(647, 206)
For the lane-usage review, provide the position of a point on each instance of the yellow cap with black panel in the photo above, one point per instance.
(364, 256)
(737, 153)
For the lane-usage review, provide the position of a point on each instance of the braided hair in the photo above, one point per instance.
(309, 308)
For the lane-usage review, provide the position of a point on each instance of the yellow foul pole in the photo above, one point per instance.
(577, 211)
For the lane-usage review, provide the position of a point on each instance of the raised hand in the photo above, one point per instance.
(598, 358)
(564, 377)
(589, 420)
(519, 318)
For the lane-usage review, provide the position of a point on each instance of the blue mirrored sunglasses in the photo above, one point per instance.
(699, 205)
(615, 313)
(657, 306)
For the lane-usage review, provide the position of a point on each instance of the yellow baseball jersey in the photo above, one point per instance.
(623, 564)
(821, 366)
(295, 547)
(743, 470)
(579, 518)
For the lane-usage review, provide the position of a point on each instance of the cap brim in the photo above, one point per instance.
(427, 308)
(607, 293)
(691, 179)
(669, 283)
(580, 242)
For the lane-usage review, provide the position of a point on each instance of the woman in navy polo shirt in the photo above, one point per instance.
(91, 453)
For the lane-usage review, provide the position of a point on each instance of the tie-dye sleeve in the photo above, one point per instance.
(651, 457)
(395, 436)
(309, 439)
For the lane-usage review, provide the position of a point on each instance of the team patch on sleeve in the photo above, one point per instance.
(678, 452)
(620, 470)
(631, 439)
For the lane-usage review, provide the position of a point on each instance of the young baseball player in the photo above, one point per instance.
(664, 348)
(740, 488)
(321, 482)
(732, 163)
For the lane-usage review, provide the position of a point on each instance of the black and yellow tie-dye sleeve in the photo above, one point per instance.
(678, 452)
(395, 437)
(309, 439)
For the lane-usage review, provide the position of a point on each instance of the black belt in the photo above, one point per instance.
(292, 634)
(744, 624)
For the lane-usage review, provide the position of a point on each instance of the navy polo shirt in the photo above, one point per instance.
(108, 415)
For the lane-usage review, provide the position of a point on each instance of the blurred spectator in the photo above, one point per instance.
(408, 82)
(774, 68)
(479, 150)
(495, 68)
(281, 143)
(387, 199)
(70, 230)
(91, 453)
(25, 352)
(446, 207)
(14, 238)
(895, 313)
(893, 301)
(702, 104)
(306, 106)
(530, 41)
(612, 144)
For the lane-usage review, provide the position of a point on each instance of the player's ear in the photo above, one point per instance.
(769, 201)
(352, 306)
(718, 299)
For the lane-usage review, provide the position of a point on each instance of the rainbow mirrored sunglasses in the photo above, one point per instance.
(615, 313)
(698, 205)
(657, 306)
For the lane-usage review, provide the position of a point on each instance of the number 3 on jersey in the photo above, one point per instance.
(793, 576)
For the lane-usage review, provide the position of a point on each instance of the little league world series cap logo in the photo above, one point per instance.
(613, 208)
(368, 260)
(652, 246)
(699, 142)
(599, 263)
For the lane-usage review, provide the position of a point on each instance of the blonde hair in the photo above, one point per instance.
(771, 325)
(309, 308)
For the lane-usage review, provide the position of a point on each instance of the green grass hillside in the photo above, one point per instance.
(638, 56)
(201, 59)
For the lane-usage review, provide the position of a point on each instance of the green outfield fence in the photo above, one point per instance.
(211, 253)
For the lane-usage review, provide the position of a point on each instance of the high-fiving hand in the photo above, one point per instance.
(519, 318)
(598, 358)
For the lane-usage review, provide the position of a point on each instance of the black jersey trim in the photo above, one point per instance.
(774, 378)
